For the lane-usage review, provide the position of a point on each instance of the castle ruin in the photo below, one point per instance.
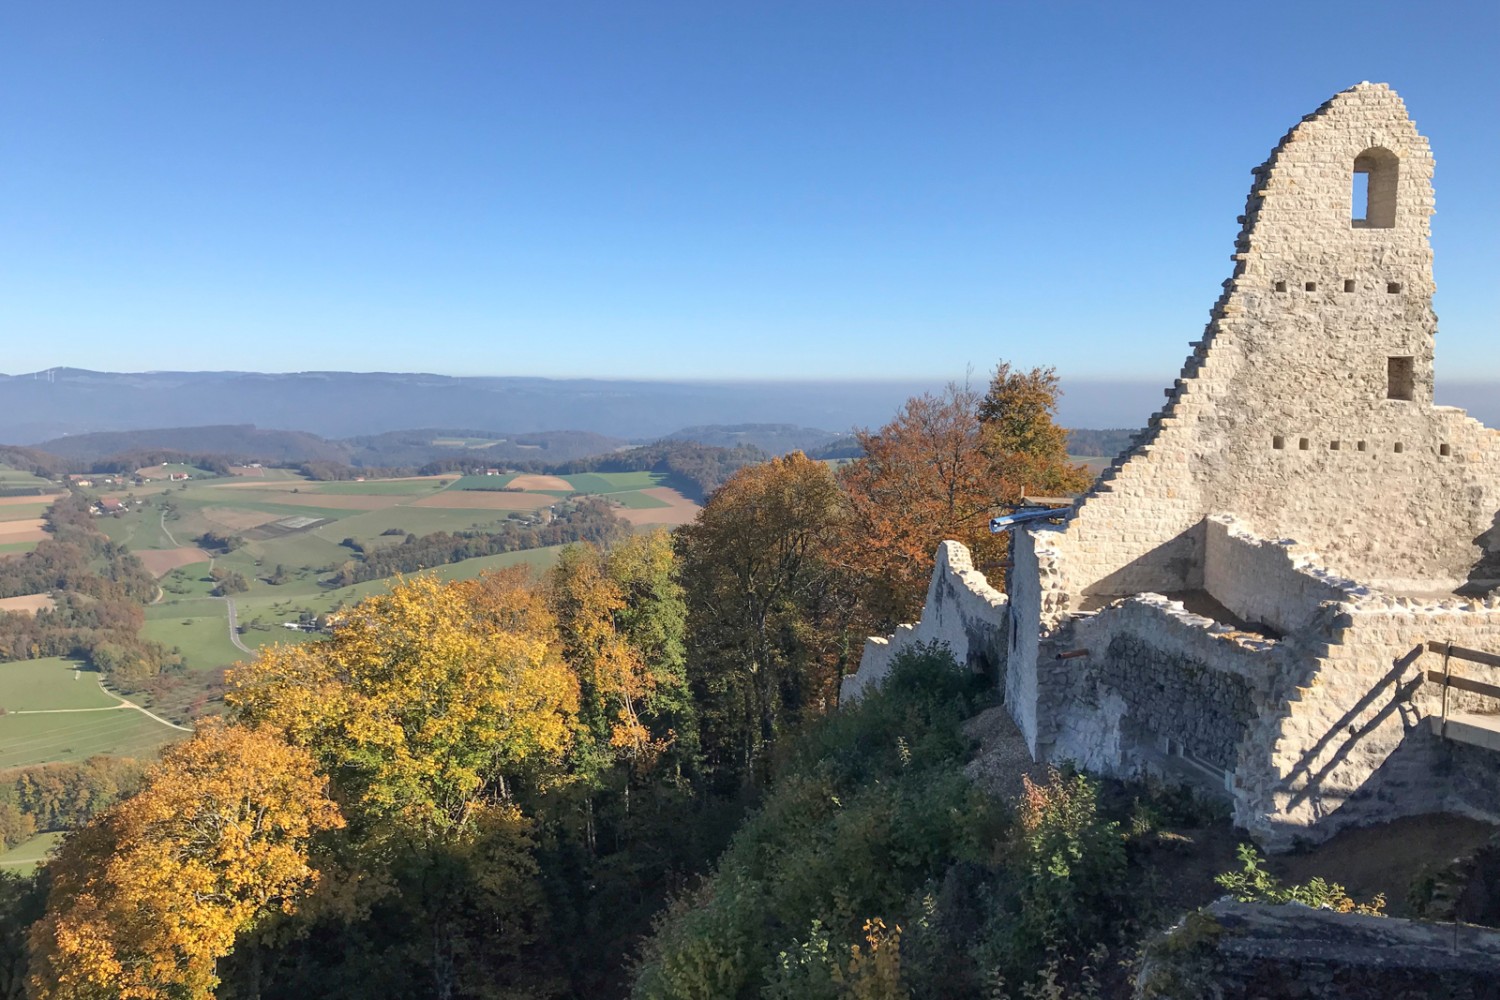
(1245, 600)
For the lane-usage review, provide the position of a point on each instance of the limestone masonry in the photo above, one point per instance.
(1244, 600)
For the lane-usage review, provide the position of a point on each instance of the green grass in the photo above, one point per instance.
(139, 529)
(41, 739)
(24, 858)
(191, 580)
(9, 547)
(255, 500)
(366, 526)
(203, 641)
(10, 477)
(383, 488)
(483, 482)
(272, 475)
(192, 607)
(615, 482)
(637, 501)
(23, 511)
(457, 442)
(53, 682)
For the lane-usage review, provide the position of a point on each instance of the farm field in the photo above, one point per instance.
(79, 735)
(285, 528)
(23, 858)
(28, 603)
(12, 478)
(55, 711)
(168, 471)
(51, 683)
(33, 508)
(203, 641)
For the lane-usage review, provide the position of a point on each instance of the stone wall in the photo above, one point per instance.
(1253, 951)
(1144, 671)
(1276, 582)
(962, 611)
(1283, 415)
(1347, 726)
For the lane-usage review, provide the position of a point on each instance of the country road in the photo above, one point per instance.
(234, 631)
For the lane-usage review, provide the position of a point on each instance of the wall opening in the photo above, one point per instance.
(1444, 450)
(1348, 284)
(1372, 195)
(1302, 444)
(1361, 446)
(1400, 378)
(1281, 286)
(1278, 442)
(1311, 286)
(1393, 287)
(1399, 448)
(1333, 446)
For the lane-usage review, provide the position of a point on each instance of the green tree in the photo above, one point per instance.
(769, 610)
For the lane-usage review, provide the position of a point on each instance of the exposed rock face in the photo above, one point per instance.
(1244, 599)
(1250, 951)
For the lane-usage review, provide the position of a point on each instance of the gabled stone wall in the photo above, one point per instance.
(1302, 492)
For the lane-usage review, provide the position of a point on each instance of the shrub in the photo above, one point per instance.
(1253, 884)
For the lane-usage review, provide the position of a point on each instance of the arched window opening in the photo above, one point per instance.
(1372, 198)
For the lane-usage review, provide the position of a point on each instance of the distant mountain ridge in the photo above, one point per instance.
(245, 442)
(44, 406)
(777, 439)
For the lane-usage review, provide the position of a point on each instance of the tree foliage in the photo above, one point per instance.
(145, 902)
(768, 608)
(940, 470)
(423, 703)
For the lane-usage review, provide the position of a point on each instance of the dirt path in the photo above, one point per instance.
(125, 703)
(168, 532)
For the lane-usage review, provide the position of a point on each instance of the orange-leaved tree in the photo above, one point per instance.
(147, 899)
(940, 470)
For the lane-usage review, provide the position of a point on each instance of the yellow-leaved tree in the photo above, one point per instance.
(147, 899)
(424, 703)
(432, 708)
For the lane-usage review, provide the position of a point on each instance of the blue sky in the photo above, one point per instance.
(687, 190)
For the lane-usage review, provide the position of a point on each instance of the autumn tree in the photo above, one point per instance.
(145, 901)
(768, 608)
(425, 702)
(431, 707)
(940, 470)
(924, 477)
(1028, 449)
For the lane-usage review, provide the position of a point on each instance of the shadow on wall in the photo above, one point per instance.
(1348, 734)
(1175, 565)
(1484, 575)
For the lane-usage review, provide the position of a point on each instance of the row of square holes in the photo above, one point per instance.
(1278, 442)
(1391, 287)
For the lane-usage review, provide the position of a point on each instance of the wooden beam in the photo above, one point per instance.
(1464, 684)
(1460, 653)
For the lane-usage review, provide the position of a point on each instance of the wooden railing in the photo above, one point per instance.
(1445, 676)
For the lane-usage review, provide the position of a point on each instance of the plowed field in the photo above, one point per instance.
(540, 483)
(22, 531)
(160, 562)
(678, 510)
